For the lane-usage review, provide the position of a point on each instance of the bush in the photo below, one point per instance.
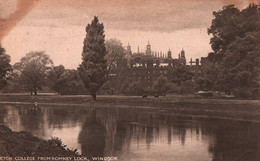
(256, 93)
(243, 93)
(55, 141)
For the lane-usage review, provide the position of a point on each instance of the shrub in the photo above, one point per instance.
(256, 93)
(55, 141)
(243, 93)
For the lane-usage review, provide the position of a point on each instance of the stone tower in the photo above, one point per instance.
(148, 49)
(183, 54)
(169, 54)
(169, 58)
(128, 49)
(182, 58)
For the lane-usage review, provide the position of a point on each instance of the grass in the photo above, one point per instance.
(248, 110)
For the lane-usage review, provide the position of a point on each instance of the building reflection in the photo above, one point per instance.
(122, 129)
(127, 132)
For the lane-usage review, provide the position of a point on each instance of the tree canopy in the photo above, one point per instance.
(5, 67)
(56, 78)
(240, 67)
(236, 46)
(33, 69)
(115, 52)
(93, 68)
(230, 23)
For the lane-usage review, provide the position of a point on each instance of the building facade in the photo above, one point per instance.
(147, 67)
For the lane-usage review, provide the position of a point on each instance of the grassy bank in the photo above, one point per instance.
(248, 110)
(24, 144)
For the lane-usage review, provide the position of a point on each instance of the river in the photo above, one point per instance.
(138, 134)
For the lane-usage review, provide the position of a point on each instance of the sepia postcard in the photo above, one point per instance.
(129, 80)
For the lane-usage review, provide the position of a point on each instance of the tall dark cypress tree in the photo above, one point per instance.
(93, 68)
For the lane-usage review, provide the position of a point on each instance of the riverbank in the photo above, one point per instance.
(24, 144)
(247, 110)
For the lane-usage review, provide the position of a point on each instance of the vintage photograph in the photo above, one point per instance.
(129, 80)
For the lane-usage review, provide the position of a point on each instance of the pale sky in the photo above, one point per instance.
(58, 26)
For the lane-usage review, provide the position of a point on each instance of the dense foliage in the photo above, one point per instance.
(5, 67)
(56, 78)
(65, 81)
(93, 68)
(115, 52)
(32, 70)
(236, 57)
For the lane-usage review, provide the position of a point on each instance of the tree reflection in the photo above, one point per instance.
(236, 141)
(120, 138)
(32, 119)
(108, 118)
(92, 136)
(169, 129)
(3, 115)
(65, 116)
(127, 132)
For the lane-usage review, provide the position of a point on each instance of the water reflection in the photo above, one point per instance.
(236, 141)
(92, 136)
(132, 134)
(31, 118)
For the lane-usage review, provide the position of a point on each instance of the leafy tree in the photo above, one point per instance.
(136, 88)
(116, 56)
(5, 67)
(183, 78)
(240, 67)
(56, 78)
(231, 23)
(71, 83)
(235, 42)
(115, 52)
(207, 80)
(14, 83)
(160, 85)
(224, 28)
(33, 69)
(93, 68)
(181, 75)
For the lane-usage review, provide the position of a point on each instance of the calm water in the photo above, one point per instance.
(137, 134)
